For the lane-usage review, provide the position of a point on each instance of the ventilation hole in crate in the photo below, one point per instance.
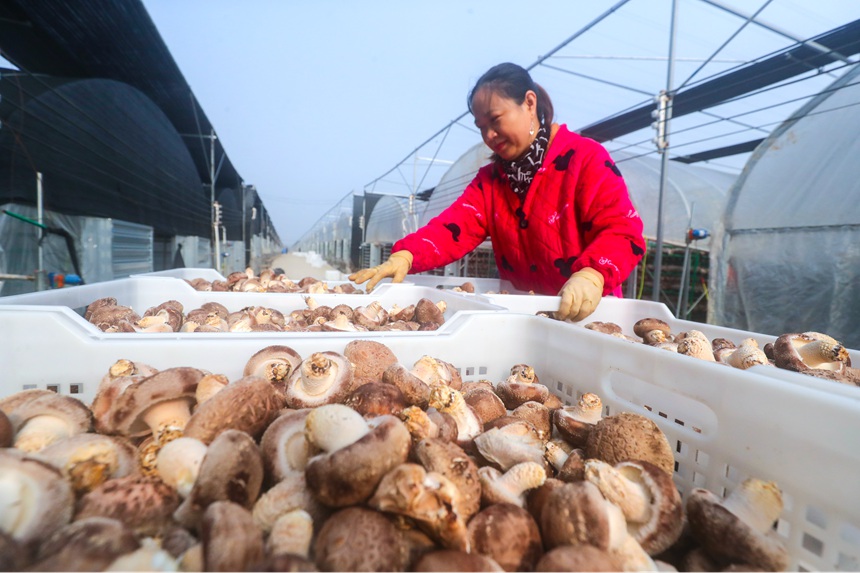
(783, 528)
(647, 407)
(697, 430)
(663, 415)
(679, 422)
(75, 388)
(812, 544)
(678, 445)
(683, 449)
(699, 480)
(787, 502)
(559, 386)
(29, 387)
(676, 466)
(53, 388)
(470, 371)
(847, 562)
(702, 458)
(850, 534)
(816, 517)
(732, 474)
(482, 370)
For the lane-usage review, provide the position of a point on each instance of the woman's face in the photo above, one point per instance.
(504, 123)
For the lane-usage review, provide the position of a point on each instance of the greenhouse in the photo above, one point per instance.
(787, 253)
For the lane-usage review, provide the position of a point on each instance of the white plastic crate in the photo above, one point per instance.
(625, 313)
(482, 285)
(186, 273)
(142, 293)
(725, 425)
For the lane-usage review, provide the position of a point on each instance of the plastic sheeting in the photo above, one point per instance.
(786, 257)
(391, 220)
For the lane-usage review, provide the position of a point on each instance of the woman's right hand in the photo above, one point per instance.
(396, 267)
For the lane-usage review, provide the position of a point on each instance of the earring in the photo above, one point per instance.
(532, 128)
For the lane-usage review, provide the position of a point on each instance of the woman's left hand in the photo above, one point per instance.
(580, 295)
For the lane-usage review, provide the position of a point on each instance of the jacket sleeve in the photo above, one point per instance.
(452, 234)
(614, 241)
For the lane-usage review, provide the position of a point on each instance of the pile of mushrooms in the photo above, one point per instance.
(811, 353)
(269, 280)
(170, 316)
(355, 461)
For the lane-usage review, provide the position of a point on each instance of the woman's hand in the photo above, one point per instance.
(580, 295)
(397, 265)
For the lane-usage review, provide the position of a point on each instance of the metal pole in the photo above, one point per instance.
(215, 242)
(40, 271)
(664, 159)
(683, 288)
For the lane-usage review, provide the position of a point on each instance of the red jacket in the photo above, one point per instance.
(577, 213)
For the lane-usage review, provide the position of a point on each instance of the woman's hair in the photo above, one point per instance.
(513, 81)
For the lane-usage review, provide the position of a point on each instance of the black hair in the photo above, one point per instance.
(513, 82)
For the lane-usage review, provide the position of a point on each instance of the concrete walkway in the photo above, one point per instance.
(305, 264)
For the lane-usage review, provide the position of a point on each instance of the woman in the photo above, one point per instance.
(553, 203)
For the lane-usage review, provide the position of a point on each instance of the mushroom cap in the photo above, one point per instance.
(604, 327)
(128, 408)
(143, 504)
(375, 399)
(515, 392)
(664, 515)
(289, 494)
(574, 423)
(350, 475)
(27, 409)
(369, 359)
(284, 446)
(809, 350)
(231, 540)
(88, 460)
(646, 327)
(452, 560)
(7, 431)
(727, 537)
(537, 415)
(231, 470)
(428, 498)
(35, 499)
(249, 404)
(428, 312)
(414, 389)
(89, 544)
(575, 514)
(630, 436)
(322, 378)
(486, 403)
(275, 363)
(508, 534)
(16, 556)
(450, 460)
(359, 539)
(511, 444)
(577, 558)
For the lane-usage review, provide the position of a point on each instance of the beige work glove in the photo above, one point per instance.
(396, 267)
(580, 295)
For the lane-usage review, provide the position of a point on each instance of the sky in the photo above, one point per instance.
(316, 99)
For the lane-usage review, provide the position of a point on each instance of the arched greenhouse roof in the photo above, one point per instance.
(789, 243)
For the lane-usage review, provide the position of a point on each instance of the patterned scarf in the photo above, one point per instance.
(521, 171)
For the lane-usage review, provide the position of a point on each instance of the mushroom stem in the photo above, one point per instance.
(588, 409)
(317, 374)
(446, 399)
(512, 485)
(756, 502)
(165, 417)
(631, 496)
(822, 353)
(292, 533)
(555, 455)
(334, 426)
(41, 431)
